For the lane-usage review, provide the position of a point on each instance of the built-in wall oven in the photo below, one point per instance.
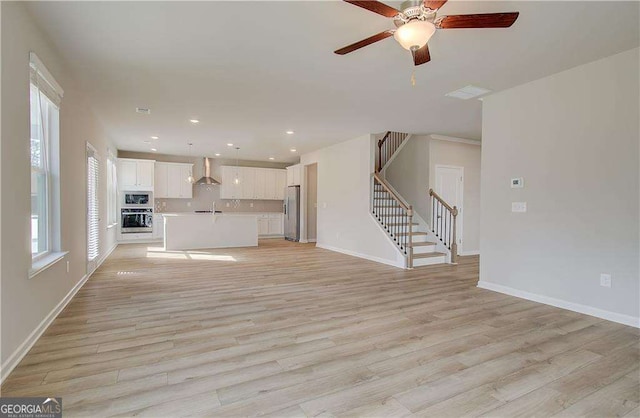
(137, 199)
(136, 220)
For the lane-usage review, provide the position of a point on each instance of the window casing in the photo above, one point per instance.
(112, 191)
(45, 96)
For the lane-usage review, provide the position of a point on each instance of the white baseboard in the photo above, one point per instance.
(472, 252)
(22, 350)
(311, 240)
(365, 256)
(559, 303)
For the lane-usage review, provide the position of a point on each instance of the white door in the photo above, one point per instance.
(248, 183)
(281, 183)
(270, 184)
(450, 187)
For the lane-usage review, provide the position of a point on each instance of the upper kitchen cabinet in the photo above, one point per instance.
(252, 183)
(134, 175)
(294, 175)
(171, 181)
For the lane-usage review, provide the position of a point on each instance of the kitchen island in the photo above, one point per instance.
(191, 231)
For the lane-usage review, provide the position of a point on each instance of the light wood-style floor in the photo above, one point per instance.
(291, 330)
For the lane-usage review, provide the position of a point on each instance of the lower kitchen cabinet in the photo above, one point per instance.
(270, 224)
(158, 226)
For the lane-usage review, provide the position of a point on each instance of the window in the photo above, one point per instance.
(112, 191)
(45, 96)
(93, 206)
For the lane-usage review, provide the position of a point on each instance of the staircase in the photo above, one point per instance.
(396, 216)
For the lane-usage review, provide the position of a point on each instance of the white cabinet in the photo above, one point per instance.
(281, 184)
(248, 183)
(294, 175)
(135, 175)
(160, 186)
(253, 183)
(230, 189)
(158, 226)
(270, 224)
(171, 181)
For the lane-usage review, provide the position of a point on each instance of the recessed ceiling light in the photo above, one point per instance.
(153, 149)
(271, 158)
(290, 132)
(194, 121)
(229, 144)
(154, 137)
(468, 92)
(217, 154)
(293, 150)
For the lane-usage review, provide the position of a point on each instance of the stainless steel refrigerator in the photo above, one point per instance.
(292, 213)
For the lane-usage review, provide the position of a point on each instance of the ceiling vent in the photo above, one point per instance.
(468, 92)
(143, 110)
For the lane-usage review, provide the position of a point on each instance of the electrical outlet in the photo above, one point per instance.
(605, 280)
(67, 266)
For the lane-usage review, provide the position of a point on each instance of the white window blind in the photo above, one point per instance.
(93, 207)
(42, 78)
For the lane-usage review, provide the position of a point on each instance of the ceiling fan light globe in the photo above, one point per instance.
(415, 34)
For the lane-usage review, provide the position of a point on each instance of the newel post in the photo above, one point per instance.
(454, 244)
(410, 231)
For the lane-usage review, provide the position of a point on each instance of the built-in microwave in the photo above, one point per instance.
(137, 199)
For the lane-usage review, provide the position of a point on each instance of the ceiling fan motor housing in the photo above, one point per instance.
(412, 10)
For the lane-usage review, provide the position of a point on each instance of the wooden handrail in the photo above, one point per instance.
(382, 182)
(454, 210)
(380, 144)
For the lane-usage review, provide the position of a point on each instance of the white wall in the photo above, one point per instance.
(26, 303)
(574, 137)
(344, 220)
(408, 174)
(447, 152)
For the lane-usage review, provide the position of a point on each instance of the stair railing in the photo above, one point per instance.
(395, 216)
(387, 146)
(443, 223)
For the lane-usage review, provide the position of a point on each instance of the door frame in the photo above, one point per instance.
(459, 218)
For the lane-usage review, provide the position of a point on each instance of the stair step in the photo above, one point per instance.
(428, 255)
(428, 259)
(413, 233)
(401, 223)
(422, 244)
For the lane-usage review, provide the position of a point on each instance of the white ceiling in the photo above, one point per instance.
(252, 70)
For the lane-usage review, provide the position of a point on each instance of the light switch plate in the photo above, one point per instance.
(518, 206)
(605, 280)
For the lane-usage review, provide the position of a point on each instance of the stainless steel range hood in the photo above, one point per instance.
(207, 179)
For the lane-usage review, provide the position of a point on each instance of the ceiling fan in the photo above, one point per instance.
(418, 21)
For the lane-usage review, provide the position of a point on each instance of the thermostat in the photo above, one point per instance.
(517, 183)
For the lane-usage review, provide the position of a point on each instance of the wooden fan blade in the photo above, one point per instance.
(434, 4)
(421, 56)
(375, 7)
(487, 20)
(360, 44)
